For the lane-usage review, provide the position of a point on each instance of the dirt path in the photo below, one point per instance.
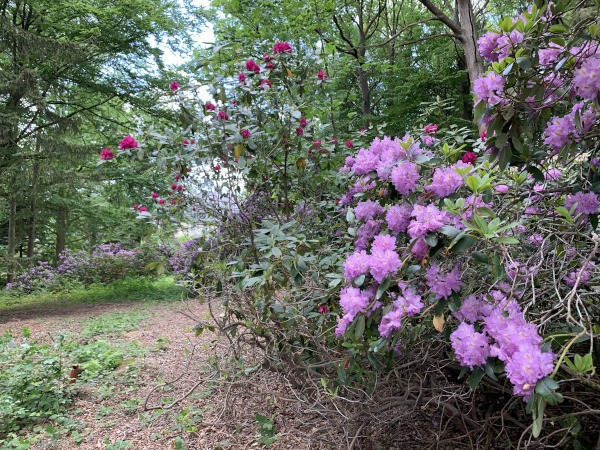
(110, 414)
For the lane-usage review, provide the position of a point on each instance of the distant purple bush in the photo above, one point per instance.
(106, 263)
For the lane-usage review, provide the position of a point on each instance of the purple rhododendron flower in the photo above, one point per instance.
(473, 309)
(443, 284)
(390, 322)
(550, 55)
(487, 44)
(471, 348)
(354, 301)
(384, 260)
(489, 88)
(427, 219)
(366, 233)
(405, 177)
(562, 130)
(583, 273)
(356, 264)
(526, 366)
(367, 210)
(398, 217)
(586, 78)
(445, 182)
(420, 249)
(587, 203)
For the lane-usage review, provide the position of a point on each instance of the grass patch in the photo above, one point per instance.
(131, 290)
(114, 322)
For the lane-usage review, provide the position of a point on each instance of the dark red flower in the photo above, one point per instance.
(469, 158)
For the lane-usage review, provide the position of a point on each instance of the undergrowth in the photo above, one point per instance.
(36, 388)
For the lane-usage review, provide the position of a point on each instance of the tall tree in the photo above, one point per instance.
(64, 64)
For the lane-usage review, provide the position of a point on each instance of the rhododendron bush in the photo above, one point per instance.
(104, 264)
(352, 263)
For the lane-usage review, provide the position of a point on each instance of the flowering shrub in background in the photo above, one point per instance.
(106, 263)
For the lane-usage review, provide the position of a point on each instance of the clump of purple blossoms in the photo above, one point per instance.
(443, 284)
(427, 219)
(445, 182)
(365, 234)
(586, 203)
(367, 210)
(583, 274)
(489, 88)
(471, 348)
(586, 78)
(398, 217)
(406, 304)
(405, 177)
(352, 302)
(356, 264)
(384, 259)
(562, 130)
(505, 334)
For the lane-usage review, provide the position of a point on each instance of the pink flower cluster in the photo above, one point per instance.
(504, 334)
(282, 47)
(106, 154)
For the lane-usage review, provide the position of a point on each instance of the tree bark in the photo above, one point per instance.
(11, 245)
(61, 232)
(469, 38)
(365, 94)
(31, 231)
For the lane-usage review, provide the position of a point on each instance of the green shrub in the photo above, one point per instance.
(33, 382)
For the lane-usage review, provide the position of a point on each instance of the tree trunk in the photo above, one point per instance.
(12, 241)
(365, 95)
(61, 231)
(31, 232)
(31, 229)
(465, 91)
(469, 37)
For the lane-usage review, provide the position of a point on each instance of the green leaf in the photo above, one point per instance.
(431, 240)
(449, 231)
(350, 218)
(507, 240)
(475, 378)
(594, 221)
(538, 416)
(557, 29)
(383, 288)
(480, 257)
(536, 173)
(489, 371)
(497, 268)
(524, 63)
(464, 243)
(359, 328)
(359, 280)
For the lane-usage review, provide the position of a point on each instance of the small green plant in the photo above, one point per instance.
(188, 419)
(267, 431)
(33, 382)
(118, 445)
(110, 323)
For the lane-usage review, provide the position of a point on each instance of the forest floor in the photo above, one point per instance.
(163, 393)
(160, 345)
